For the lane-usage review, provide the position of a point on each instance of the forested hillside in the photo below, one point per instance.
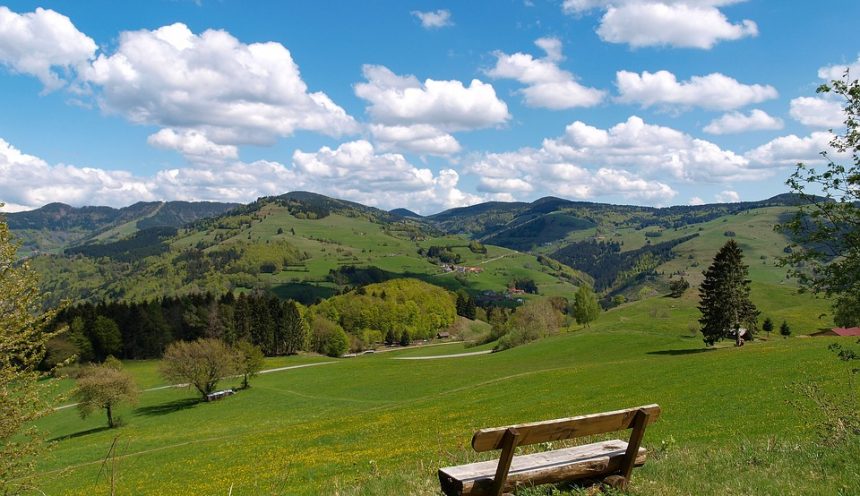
(56, 226)
(309, 247)
(300, 245)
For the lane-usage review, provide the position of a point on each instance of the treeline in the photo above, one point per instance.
(143, 330)
(146, 243)
(408, 309)
(609, 266)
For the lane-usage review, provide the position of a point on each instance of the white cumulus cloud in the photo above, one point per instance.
(837, 71)
(653, 150)
(792, 149)
(714, 91)
(28, 181)
(817, 112)
(212, 83)
(354, 171)
(677, 23)
(434, 19)
(419, 116)
(727, 196)
(417, 138)
(42, 42)
(547, 85)
(194, 146)
(632, 160)
(737, 122)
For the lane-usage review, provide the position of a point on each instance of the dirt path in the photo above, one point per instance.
(473, 353)
(267, 371)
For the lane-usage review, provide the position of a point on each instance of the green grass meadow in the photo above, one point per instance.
(733, 423)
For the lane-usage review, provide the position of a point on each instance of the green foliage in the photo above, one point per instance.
(536, 232)
(200, 364)
(534, 320)
(441, 254)
(477, 247)
(826, 229)
(105, 337)
(585, 306)
(767, 326)
(408, 303)
(104, 387)
(612, 268)
(145, 243)
(784, 329)
(249, 361)
(525, 284)
(466, 305)
(724, 296)
(328, 338)
(294, 328)
(23, 337)
(678, 286)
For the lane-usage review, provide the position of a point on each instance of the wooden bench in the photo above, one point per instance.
(613, 460)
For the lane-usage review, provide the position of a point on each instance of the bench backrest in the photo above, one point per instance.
(566, 428)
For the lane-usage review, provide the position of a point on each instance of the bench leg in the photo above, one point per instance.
(616, 482)
(509, 445)
(639, 423)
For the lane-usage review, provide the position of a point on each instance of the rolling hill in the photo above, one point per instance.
(299, 245)
(56, 226)
(308, 246)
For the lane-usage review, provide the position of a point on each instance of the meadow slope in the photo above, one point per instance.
(373, 425)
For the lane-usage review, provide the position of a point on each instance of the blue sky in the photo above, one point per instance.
(420, 105)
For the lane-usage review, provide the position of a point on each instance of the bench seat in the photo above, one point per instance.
(539, 468)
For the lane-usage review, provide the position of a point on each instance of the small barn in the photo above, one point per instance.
(443, 335)
(839, 331)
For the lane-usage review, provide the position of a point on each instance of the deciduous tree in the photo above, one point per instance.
(249, 361)
(23, 335)
(104, 387)
(586, 309)
(200, 364)
(826, 228)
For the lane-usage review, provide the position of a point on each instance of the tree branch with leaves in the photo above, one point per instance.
(825, 258)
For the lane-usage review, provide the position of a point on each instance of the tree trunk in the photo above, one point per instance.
(109, 416)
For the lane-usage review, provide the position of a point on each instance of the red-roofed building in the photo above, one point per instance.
(840, 331)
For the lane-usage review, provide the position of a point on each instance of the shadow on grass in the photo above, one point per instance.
(167, 408)
(681, 352)
(79, 434)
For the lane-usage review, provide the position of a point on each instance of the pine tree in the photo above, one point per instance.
(767, 326)
(296, 329)
(784, 329)
(724, 296)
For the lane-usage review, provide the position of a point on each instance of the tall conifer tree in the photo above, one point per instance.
(724, 296)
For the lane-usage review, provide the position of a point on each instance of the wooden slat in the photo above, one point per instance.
(591, 460)
(566, 428)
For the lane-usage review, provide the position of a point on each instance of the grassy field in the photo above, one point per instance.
(733, 422)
